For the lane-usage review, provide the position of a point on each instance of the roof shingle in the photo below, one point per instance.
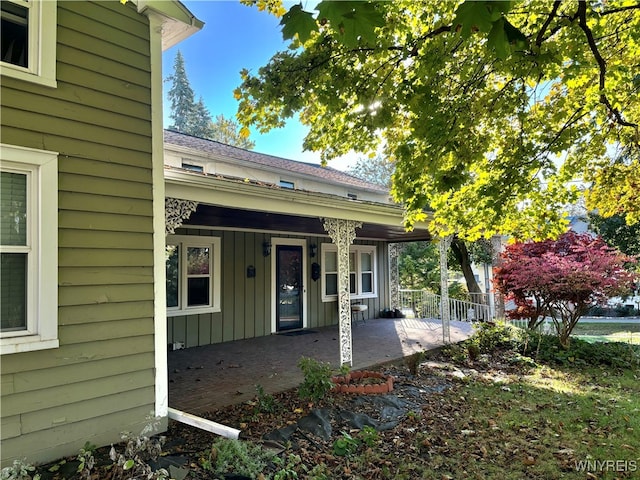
(326, 174)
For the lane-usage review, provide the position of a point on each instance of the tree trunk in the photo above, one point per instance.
(459, 249)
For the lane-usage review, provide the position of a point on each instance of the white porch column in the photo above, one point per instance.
(342, 233)
(445, 311)
(394, 275)
(176, 212)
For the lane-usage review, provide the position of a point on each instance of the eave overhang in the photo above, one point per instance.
(178, 23)
(386, 219)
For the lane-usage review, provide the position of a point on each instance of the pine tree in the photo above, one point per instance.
(201, 121)
(183, 106)
(194, 118)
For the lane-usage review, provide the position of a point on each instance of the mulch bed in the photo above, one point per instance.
(426, 405)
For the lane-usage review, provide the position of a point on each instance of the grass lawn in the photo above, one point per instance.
(624, 331)
(552, 423)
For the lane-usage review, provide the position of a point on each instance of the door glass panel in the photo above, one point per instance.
(289, 281)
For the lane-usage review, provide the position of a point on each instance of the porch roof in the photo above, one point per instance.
(235, 203)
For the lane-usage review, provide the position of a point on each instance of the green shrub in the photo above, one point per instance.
(474, 351)
(86, 459)
(345, 445)
(238, 457)
(139, 450)
(317, 379)
(491, 337)
(288, 470)
(265, 403)
(20, 470)
(547, 349)
(369, 436)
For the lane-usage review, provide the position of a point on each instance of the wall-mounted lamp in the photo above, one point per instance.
(315, 271)
(313, 248)
(251, 271)
(266, 248)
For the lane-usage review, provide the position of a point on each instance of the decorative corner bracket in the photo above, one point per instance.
(176, 212)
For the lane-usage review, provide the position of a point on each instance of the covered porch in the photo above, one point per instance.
(328, 251)
(212, 376)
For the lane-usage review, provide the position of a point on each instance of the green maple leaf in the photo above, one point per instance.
(297, 21)
(473, 16)
(515, 36)
(497, 39)
(353, 20)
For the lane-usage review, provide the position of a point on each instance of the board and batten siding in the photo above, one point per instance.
(246, 302)
(100, 381)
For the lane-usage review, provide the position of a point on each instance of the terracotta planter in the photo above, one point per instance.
(356, 382)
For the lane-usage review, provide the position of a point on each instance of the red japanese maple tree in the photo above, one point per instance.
(562, 279)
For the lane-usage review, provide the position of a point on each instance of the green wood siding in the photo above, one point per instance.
(100, 381)
(246, 302)
(59, 439)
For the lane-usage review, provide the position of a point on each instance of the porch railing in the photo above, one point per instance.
(424, 304)
(545, 327)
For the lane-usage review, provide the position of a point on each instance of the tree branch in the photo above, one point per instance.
(620, 9)
(547, 22)
(602, 66)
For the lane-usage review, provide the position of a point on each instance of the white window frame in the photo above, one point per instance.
(288, 184)
(356, 250)
(42, 44)
(41, 168)
(185, 241)
(193, 166)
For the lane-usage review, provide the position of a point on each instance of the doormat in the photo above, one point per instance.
(295, 333)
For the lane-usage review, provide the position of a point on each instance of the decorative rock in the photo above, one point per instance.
(457, 374)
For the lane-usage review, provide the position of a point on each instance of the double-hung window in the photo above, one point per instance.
(193, 274)
(28, 249)
(28, 40)
(362, 271)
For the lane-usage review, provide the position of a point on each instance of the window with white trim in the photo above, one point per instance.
(193, 274)
(193, 167)
(28, 40)
(362, 272)
(28, 263)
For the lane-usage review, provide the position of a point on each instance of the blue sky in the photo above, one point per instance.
(235, 37)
